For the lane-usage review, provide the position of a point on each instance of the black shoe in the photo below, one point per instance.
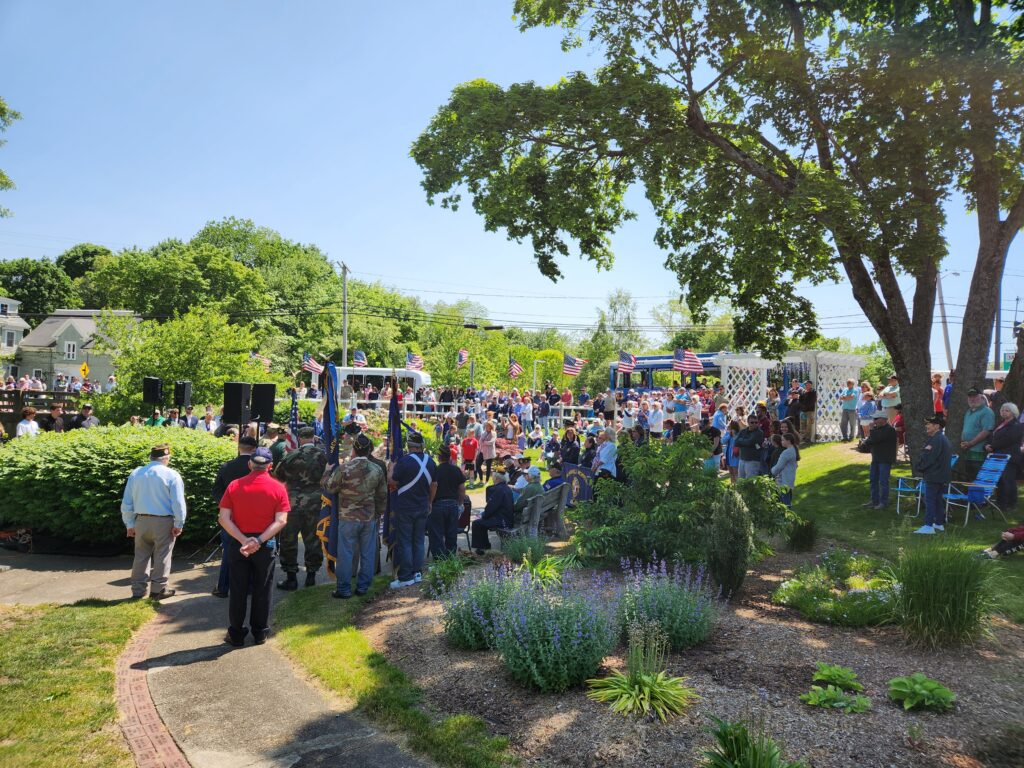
(341, 596)
(260, 639)
(165, 594)
(480, 552)
(218, 593)
(310, 578)
(361, 592)
(289, 584)
(233, 641)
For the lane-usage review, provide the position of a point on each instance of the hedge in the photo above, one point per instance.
(70, 484)
(307, 410)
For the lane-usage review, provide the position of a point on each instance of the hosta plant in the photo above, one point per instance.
(918, 691)
(843, 678)
(831, 697)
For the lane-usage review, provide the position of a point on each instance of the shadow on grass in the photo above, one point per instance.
(317, 631)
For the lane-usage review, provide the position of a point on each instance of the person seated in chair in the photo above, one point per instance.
(556, 479)
(498, 513)
(1009, 542)
(531, 490)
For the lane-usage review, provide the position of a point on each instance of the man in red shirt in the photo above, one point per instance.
(254, 508)
(469, 448)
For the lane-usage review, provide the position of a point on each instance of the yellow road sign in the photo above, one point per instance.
(84, 370)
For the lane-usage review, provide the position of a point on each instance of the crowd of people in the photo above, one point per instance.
(61, 383)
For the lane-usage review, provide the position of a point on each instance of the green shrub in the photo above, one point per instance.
(762, 495)
(845, 589)
(471, 604)
(802, 535)
(735, 747)
(519, 548)
(70, 484)
(554, 639)
(444, 573)
(944, 594)
(307, 410)
(917, 691)
(730, 542)
(832, 697)
(841, 677)
(678, 600)
(645, 689)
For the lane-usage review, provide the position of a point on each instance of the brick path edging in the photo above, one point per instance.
(150, 741)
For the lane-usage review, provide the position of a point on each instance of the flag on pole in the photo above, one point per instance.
(413, 362)
(293, 423)
(266, 361)
(571, 366)
(327, 525)
(311, 365)
(685, 361)
(627, 362)
(463, 358)
(359, 359)
(514, 368)
(394, 453)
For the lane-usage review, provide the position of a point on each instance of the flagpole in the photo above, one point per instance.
(472, 370)
(344, 315)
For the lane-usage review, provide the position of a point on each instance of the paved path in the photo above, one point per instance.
(224, 707)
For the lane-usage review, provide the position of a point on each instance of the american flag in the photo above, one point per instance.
(293, 423)
(359, 359)
(514, 368)
(571, 366)
(626, 362)
(413, 362)
(311, 365)
(463, 358)
(686, 361)
(266, 361)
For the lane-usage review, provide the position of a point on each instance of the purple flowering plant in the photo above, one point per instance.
(679, 598)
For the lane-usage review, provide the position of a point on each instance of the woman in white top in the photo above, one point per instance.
(607, 452)
(27, 425)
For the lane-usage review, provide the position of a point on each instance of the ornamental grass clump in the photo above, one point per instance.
(519, 548)
(945, 594)
(737, 747)
(470, 605)
(646, 689)
(554, 638)
(678, 599)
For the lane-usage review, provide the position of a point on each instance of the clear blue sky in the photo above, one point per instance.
(143, 121)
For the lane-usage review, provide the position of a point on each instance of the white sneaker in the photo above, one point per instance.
(939, 527)
(397, 584)
(925, 529)
(417, 577)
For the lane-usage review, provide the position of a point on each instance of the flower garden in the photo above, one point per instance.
(830, 657)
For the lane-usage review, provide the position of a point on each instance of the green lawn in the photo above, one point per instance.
(832, 483)
(316, 631)
(57, 683)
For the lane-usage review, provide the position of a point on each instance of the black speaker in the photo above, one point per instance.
(236, 402)
(183, 393)
(153, 390)
(263, 402)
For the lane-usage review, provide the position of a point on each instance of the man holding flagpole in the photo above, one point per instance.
(413, 481)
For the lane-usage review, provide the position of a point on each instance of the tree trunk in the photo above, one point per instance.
(912, 361)
(1013, 388)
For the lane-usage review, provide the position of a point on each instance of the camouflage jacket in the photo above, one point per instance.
(303, 468)
(362, 489)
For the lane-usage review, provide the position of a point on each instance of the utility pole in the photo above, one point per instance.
(945, 327)
(472, 370)
(344, 315)
(535, 363)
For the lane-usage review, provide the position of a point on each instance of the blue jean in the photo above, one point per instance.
(879, 477)
(527, 425)
(934, 512)
(543, 423)
(356, 537)
(443, 527)
(411, 527)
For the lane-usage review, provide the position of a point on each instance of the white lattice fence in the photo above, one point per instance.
(745, 378)
(833, 369)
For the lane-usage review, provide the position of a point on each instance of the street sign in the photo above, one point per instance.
(84, 370)
(1008, 360)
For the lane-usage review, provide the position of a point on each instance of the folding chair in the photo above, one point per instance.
(978, 492)
(913, 487)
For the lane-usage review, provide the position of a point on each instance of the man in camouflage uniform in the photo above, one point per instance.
(301, 471)
(362, 490)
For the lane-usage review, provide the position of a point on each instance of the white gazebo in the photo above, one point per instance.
(745, 377)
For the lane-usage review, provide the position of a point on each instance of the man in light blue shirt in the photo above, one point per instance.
(721, 418)
(153, 511)
(849, 398)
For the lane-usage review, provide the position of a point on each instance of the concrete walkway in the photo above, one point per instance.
(224, 707)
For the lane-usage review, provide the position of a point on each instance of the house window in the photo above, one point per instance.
(3, 310)
(9, 340)
(37, 373)
(70, 350)
(13, 371)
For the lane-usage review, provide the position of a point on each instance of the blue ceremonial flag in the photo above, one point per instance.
(394, 453)
(327, 525)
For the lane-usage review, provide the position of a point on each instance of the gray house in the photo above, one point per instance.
(12, 329)
(62, 343)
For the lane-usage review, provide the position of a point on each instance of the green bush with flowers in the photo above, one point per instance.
(70, 484)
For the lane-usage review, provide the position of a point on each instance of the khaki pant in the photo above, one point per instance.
(153, 544)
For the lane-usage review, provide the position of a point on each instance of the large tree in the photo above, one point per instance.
(781, 141)
(79, 259)
(40, 285)
(7, 116)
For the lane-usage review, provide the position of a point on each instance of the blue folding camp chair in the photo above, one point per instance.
(978, 493)
(913, 487)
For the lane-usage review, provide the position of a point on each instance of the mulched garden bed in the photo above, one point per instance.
(758, 660)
